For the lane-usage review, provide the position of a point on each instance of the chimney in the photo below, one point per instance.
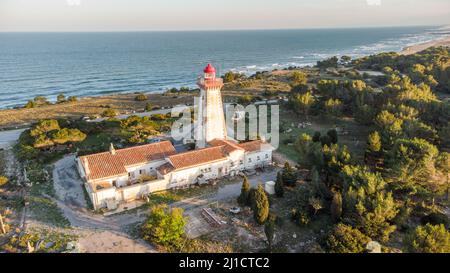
(111, 149)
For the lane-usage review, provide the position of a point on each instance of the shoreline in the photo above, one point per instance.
(409, 50)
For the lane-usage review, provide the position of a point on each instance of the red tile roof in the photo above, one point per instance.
(251, 146)
(229, 145)
(197, 157)
(103, 165)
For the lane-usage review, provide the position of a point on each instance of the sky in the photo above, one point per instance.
(155, 15)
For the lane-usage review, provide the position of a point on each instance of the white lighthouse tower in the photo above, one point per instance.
(210, 112)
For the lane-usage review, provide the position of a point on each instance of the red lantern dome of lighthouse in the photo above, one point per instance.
(209, 69)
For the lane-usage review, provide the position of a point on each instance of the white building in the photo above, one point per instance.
(128, 174)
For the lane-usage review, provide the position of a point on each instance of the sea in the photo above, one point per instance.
(94, 64)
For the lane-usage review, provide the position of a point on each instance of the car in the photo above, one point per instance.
(235, 210)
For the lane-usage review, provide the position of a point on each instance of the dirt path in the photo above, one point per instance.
(281, 159)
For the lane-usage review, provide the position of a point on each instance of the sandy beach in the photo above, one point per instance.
(420, 47)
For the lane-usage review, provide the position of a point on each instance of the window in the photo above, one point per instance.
(141, 171)
(258, 158)
(249, 160)
(267, 156)
(232, 164)
(241, 162)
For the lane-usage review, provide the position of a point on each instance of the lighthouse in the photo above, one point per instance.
(210, 112)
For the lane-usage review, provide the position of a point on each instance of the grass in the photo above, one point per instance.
(44, 209)
(56, 241)
(355, 140)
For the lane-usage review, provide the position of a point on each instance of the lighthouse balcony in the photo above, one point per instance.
(210, 83)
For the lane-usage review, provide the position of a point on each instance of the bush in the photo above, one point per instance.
(164, 226)
(109, 113)
(333, 136)
(141, 97)
(30, 104)
(244, 197)
(3, 180)
(61, 98)
(279, 188)
(428, 239)
(260, 205)
(148, 107)
(345, 239)
(72, 99)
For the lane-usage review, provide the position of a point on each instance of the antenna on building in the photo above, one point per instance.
(112, 150)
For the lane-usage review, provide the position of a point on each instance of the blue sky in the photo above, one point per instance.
(137, 15)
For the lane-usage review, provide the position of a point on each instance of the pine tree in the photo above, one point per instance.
(279, 188)
(243, 198)
(336, 207)
(288, 175)
(261, 205)
(269, 229)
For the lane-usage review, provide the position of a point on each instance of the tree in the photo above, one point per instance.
(148, 107)
(141, 97)
(30, 104)
(72, 99)
(61, 98)
(374, 142)
(345, 59)
(333, 136)
(325, 140)
(368, 205)
(316, 137)
(428, 239)
(288, 175)
(109, 113)
(345, 239)
(68, 135)
(3, 180)
(336, 207)
(299, 78)
(244, 197)
(44, 126)
(269, 229)
(333, 107)
(302, 102)
(412, 164)
(279, 187)
(260, 205)
(331, 62)
(164, 226)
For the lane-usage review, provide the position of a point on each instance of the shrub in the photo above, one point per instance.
(260, 205)
(148, 107)
(345, 239)
(109, 113)
(61, 98)
(279, 188)
(72, 99)
(3, 180)
(30, 104)
(428, 239)
(141, 97)
(244, 197)
(333, 136)
(164, 226)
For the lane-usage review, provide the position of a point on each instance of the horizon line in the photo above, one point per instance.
(215, 30)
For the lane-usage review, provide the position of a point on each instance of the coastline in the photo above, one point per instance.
(409, 50)
(125, 103)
